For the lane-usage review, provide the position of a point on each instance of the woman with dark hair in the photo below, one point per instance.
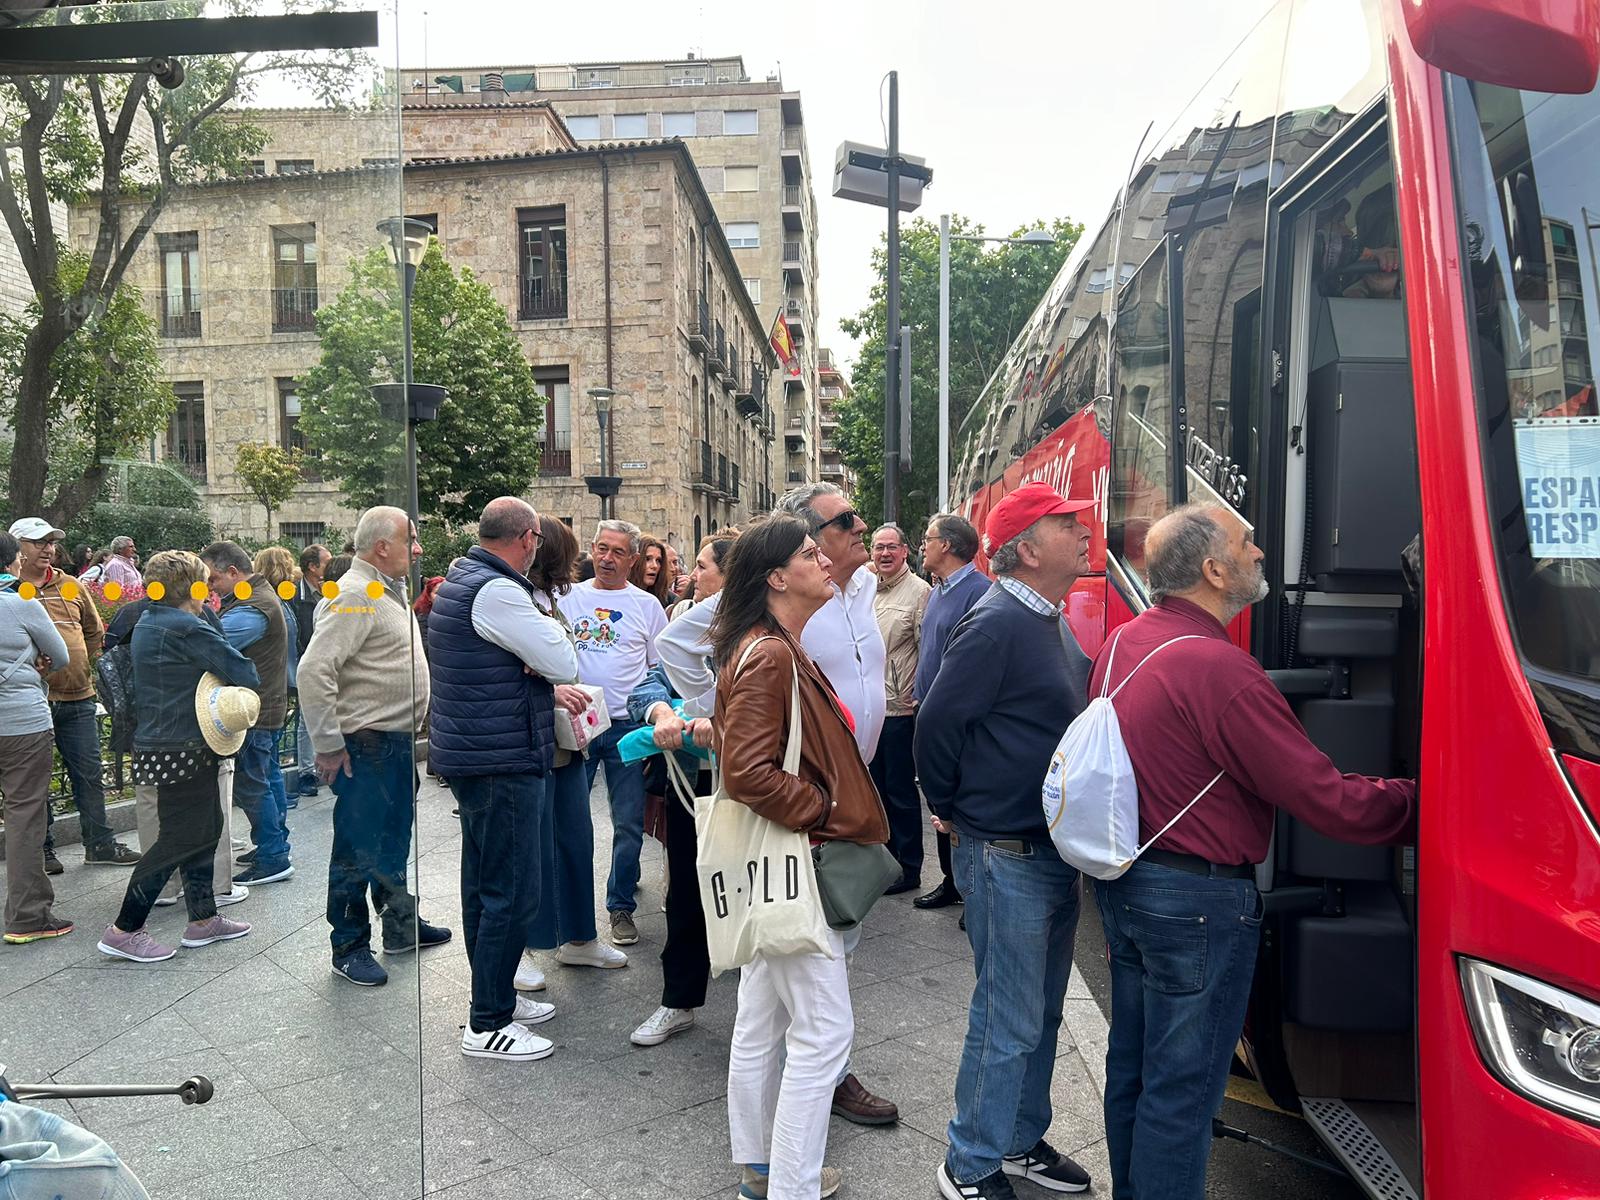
(778, 1106)
(650, 570)
(565, 920)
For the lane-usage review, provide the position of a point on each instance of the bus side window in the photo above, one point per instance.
(1141, 420)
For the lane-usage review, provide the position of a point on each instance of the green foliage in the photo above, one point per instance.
(484, 443)
(993, 291)
(160, 485)
(151, 527)
(442, 544)
(270, 472)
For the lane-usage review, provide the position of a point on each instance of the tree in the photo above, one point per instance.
(485, 441)
(993, 291)
(270, 472)
(70, 139)
(107, 394)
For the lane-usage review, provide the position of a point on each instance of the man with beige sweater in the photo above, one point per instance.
(363, 692)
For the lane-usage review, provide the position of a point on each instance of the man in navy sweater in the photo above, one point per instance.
(1011, 681)
(948, 547)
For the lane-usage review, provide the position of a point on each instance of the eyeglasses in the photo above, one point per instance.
(846, 521)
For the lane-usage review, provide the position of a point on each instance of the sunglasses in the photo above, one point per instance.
(846, 521)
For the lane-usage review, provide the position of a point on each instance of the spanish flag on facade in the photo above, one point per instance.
(783, 346)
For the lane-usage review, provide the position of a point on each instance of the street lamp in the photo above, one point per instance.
(1035, 238)
(406, 239)
(604, 485)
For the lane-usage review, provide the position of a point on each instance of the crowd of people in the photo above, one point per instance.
(839, 693)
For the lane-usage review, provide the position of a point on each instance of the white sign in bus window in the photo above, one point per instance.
(1559, 461)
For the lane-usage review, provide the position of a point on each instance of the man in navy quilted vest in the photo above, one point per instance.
(500, 667)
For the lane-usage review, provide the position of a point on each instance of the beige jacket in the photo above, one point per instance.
(899, 605)
(78, 622)
(364, 668)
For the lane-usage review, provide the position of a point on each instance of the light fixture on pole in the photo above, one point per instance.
(604, 485)
(406, 240)
(1034, 238)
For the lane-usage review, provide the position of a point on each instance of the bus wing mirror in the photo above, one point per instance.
(1552, 46)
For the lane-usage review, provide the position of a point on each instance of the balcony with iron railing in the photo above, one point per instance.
(294, 310)
(716, 352)
(722, 474)
(733, 482)
(705, 476)
(700, 332)
(794, 260)
(179, 313)
(794, 207)
(541, 300)
(555, 454)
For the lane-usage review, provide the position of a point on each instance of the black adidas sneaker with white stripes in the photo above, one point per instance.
(1047, 1167)
(994, 1186)
(511, 1042)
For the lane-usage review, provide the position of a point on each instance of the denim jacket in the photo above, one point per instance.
(171, 650)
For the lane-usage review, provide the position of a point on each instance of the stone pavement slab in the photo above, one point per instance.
(327, 1091)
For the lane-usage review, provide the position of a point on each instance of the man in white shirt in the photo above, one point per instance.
(843, 639)
(122, 567)
(616, 625)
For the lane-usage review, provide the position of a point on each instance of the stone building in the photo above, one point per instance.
(748, 140)
(833, 389)
(599, 254)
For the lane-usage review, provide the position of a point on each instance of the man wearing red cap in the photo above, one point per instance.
(1011, 680)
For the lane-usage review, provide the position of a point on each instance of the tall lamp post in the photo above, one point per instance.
(406, 239)
(1034, 237)
(604, 485)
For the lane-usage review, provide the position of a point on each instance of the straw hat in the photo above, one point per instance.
(225, 713)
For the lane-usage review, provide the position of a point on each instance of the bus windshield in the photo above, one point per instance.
(1526, 164)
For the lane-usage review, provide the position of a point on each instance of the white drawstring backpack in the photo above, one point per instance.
(1091, 797)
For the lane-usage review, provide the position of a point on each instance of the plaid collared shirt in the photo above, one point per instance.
(1028, 596)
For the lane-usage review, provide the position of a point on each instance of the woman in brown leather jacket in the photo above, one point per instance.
(776, 578)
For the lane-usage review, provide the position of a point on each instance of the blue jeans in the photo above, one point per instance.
(1183, 951)
(275, 781)
(500, 820)
(566, 861)
(625, 785)
(253, 792)
(372, 812)
(1022, 912)
(78, 739)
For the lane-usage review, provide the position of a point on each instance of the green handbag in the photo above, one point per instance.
(851, 878)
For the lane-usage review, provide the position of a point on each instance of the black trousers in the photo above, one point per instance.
(894, 771)
(685, 959)
(944, 857)
(190, 822)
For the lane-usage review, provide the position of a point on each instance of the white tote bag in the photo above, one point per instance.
(1091, 796)
(758, 886)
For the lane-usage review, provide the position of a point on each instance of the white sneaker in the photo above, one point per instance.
(591, 954)
(240, 892)
(167, 901)
(532, 1012)
(661, 1025)
(512, 1043)
(529, 977)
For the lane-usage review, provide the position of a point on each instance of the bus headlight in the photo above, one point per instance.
(1541, 1041)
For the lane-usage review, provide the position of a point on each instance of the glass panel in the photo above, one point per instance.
(167, 773)
(1526, 162)
(1142, 417)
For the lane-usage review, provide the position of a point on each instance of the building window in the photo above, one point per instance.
(740, 179)
(1144, 227)
(289, 435)
(584, 129)
(677, 124)
(542, 262)
(743, 235)
(1097, 280)
(256, 166)
(294, 278)
(180, 283)
(753, 286)
(554, 385)
(186, 432)
(295, 166)
(1165, 181)
(1079, 324)
(711, 179)
(307, 533)
(629, 125)
(743, 121)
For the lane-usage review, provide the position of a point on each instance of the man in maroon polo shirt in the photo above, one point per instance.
(1183, 923)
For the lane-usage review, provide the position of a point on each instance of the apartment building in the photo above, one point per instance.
(833, 389)
(600, 254)
(747, 138)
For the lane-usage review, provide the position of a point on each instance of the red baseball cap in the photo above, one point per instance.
(1022, 508)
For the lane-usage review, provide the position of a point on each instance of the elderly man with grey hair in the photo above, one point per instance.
(1011, 681)
(616, 625)
(122, 566)
(363, 692)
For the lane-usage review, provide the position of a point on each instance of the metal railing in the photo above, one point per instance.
(556, 456)
(722, 342)
(792, 195)
(791, 252)
(179, 313)
(294, 310)
(540, 301)
(722, 473)
(733, 478)
(794, 138)
(708, 466)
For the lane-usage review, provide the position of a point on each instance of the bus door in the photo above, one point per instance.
(1333, 1027)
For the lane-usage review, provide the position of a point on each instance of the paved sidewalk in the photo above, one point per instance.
(318, 1081)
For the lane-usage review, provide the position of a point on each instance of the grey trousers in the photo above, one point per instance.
(144, 801)
(25, 761)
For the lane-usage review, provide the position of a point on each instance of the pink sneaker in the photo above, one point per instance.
(213, 929)
(137, 946)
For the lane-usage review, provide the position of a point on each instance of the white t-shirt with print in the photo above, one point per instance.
(616, 633)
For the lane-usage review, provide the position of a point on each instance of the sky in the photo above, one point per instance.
(1024, 109)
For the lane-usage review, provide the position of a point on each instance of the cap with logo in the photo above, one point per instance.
(1022, 508)
(35, 529)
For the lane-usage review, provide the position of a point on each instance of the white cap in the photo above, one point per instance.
(35, 529)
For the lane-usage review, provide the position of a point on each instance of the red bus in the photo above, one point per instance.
(1347, 293)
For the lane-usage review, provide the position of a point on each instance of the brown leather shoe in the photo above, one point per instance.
(854, 1103)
